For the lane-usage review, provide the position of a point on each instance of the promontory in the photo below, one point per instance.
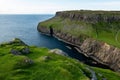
(96, 34)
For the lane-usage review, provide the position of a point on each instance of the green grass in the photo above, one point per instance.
(56, 67)
(102, 31)
(104, 72)
(14, 67)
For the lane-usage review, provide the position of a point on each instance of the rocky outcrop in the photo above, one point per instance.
(19, 51)
(102, 52)
(43, 30)
(58, 51)
(97, 50)
(91, 16)
(22, 49)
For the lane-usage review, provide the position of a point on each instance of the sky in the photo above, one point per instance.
(52, 6)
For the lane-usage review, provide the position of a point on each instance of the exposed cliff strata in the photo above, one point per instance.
(91, 16)
(103, 52)
(100, 51)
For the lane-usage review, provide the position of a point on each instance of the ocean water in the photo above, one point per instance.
(21, 26)
(25, 28)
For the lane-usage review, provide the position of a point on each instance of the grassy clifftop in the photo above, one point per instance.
(21, 62)
(100, 25)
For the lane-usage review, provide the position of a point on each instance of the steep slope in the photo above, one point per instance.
(21, 62)
(94, 33)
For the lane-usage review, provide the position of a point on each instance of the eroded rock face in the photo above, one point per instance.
(103, 52)
(91, 16)
(100, 51)
(44, 30)
(67, 37)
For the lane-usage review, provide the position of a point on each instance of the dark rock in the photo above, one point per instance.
(15, 52)
(28, 61)
(25, 51)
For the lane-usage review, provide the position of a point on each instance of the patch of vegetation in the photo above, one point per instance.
(40, 64)
(108, 31)
(104, 73)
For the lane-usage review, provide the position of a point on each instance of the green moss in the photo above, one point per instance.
(108, 74)
(56, 67)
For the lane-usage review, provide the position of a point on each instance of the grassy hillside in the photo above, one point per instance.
(107, 31)
(36, 63)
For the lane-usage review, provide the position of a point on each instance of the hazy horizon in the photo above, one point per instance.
(52, 6)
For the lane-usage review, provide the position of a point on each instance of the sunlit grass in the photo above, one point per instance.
(55, 67)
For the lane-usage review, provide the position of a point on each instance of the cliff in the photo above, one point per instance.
(94, 33)
(91, 16)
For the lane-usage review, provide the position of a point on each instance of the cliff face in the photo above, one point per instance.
(91, 16)
(98, 50)
(102, 52)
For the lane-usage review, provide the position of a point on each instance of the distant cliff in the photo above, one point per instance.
(91, 16)
(94, 33)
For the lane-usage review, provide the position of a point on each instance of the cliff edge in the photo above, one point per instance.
(94, 33)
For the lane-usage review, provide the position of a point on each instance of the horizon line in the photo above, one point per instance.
(56, 11)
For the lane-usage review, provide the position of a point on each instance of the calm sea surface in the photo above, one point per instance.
(25, 28)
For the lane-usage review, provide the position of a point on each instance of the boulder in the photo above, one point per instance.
(15, 52)
(58, 51)
(25, 51)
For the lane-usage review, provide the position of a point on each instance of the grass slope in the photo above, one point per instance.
(40, 64)
(103, 31)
